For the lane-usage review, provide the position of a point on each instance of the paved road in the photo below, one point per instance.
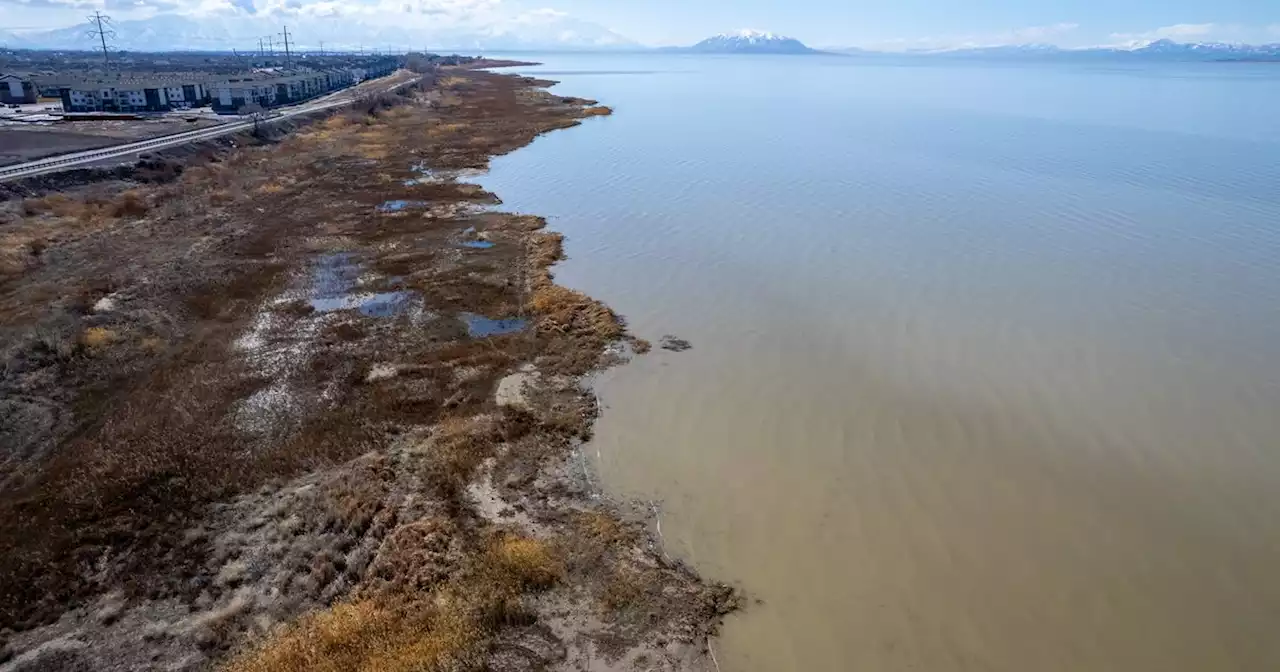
(54, 164)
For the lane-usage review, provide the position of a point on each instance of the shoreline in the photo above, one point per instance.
(328, 420)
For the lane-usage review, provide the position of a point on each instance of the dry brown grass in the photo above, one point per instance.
(97, 338)
(603, 529)
(132, 203)
(524, 562)
(566, 311)
(374, 151)
(336, 122)
(623, 589)
(15, 258)
(600, 111)
(371, 636)
(445, 630)
(458, 447)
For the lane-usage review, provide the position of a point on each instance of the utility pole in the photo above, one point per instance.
(322, 47)
(98, 20)
(261, 53)
(286, 47)
(271, 47)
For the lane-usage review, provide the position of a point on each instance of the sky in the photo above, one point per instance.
(891, 25)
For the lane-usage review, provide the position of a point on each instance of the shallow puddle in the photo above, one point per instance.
(400, 204)
(371, 304)
(334, 280)
(479, 326)
(335, 273)
(473, 241)
(430, 175)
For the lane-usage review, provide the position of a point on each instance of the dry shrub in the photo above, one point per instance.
(336, 122)
(570, 312)
(13, 261)
(624, 588)
(603, 528)
(524, 562)
(60, 205)
(374, 151)
(458, 447)
(545, 249)
(414, 558)
(130, 204)
(371, 636)
(271, 188)
(355, 498)
(444, 630)
(96, 338)
(600, 111)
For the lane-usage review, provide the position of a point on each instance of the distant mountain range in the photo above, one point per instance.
(1162, 50)
(751, 42)
(173, 32)
(551, 31)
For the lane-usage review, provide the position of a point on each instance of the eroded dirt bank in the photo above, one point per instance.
(313, 406)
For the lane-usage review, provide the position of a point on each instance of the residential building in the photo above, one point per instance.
(279, 87)
(17, 89)
(132, 95)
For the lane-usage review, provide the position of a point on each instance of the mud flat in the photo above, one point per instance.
(315, 404)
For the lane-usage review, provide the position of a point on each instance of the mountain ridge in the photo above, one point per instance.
(750, 42)
(1164, 49)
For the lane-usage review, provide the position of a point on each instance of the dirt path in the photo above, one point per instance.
(314, 405)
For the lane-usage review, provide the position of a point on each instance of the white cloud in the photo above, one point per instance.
(447, 11)
(1198, 32)
(1049, 34)
(464, 25)
(1177, 32)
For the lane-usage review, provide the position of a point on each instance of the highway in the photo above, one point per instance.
(53, 164)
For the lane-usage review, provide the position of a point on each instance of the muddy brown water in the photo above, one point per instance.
(985, 360)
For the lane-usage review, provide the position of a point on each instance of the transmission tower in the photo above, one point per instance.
(285, 34)
(101, 29)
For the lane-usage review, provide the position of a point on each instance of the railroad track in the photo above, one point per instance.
(54, 164)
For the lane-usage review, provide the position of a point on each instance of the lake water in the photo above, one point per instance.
(986, 358)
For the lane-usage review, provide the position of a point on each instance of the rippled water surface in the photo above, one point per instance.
(986, 358)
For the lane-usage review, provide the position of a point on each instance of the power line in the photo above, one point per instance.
(286, 46)
(98, 19)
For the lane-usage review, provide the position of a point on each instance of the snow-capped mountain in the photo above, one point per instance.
(1158, 50)
(751, 42)
(1206, 50)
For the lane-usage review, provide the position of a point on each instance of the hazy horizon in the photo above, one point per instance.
(880, 26)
